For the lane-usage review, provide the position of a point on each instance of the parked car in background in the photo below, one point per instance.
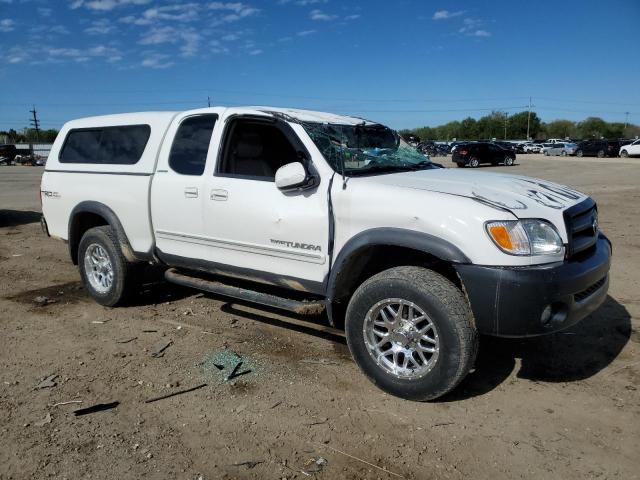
(598, 148)
(474, 154)
(532, 147)
(562, 149)
(506, 145)
(546, 146)
(630, 150)
(411, 139)
(7, 154)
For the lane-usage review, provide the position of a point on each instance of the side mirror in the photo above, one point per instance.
(293, 176)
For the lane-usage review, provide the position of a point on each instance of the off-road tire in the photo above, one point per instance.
(448, 309)
(123, 271)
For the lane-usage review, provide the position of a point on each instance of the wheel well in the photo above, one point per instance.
(82, 222)
(373, 259)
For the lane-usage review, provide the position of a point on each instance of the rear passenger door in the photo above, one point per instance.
(178, 189)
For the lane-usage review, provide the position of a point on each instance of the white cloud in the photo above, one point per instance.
(156, 61)
(445, 14)
(44, 11)
(100, 27)
(321, 16)
(471, 28)
(304, 33)
(352, 17)
(480, 33)
(256, 51)
(189, 39)
(7, 25)
(302, 3)
(105, 5)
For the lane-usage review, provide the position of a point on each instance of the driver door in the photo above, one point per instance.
(253, 229)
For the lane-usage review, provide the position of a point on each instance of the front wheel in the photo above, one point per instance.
(411, 332)
(564, 154)
(579, 153)
(105, 272)
(601, 153)
(508, 161)
(624, 154)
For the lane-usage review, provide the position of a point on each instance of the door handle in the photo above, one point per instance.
(190, 192)
(219, 195)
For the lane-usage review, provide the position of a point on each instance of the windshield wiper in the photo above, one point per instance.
(381, 169)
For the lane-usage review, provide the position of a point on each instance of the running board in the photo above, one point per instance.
(301, 308)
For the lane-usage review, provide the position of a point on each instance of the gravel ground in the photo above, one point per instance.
(562, 406)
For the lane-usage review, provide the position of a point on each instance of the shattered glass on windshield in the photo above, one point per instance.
(365, 149)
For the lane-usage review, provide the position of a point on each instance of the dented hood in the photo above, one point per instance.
(525, 197)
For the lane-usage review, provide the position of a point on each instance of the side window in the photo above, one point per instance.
(255, 150)
(121, 145)
(188, 154)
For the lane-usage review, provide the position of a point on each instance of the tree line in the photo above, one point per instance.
(29, 135)
(500, 125)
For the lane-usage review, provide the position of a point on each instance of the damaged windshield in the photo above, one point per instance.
(365, 149)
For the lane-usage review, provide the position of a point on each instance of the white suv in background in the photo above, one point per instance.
(631, 150)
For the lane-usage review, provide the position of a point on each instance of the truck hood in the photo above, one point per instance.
(524, 197)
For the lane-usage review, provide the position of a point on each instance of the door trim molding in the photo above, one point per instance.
(302, 256)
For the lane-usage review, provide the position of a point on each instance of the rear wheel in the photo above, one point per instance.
(601, 153)
(106, 274)
(474, 162)
(624, 154)
(579, 153)
(411, 331)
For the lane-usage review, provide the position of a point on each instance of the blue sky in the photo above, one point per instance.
(404, 63)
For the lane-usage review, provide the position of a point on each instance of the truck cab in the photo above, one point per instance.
(313, 212)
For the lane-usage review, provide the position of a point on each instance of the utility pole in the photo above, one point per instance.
(35, 122)
(529, 119)
(626, 122)
(505, 125)
(209, 100)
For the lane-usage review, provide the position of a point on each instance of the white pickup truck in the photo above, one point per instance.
(312, 212)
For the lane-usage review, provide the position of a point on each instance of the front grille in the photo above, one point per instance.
(589, 291)
(582, 227)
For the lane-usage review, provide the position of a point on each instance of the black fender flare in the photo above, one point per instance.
(90, 206)
(397, 237)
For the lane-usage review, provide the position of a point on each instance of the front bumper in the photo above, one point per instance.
(537, 300)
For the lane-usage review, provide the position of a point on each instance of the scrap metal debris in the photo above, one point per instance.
(126, 339)
(65, 403)
(249, 464)
(48, 382)
(173, 394)
(41, 300)
(158, 350)
(99, 407)
(315, 465)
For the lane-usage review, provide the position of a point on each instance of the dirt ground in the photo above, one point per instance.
(563, 406)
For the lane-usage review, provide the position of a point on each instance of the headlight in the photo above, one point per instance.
(525, 237)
